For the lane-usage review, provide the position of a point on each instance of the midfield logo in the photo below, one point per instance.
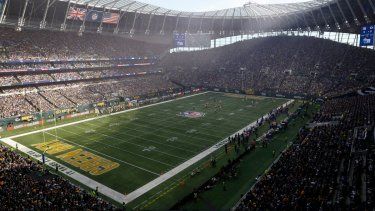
(192, 114)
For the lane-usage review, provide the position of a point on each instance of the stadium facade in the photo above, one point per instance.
(141, 20)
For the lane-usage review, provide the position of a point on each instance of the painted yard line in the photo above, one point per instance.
(168, 187)
(92, 184)
(159, 180)
(138, 137)
(174, 128)
(121, 120)
(157, 135)
(108, 156)
(202, 128)
(145, 203)
(139, 191)
(138, 145)
(173, 185)
(175, 132)
(153, 131)
(187, 119)
(104, 116)
(115, 147)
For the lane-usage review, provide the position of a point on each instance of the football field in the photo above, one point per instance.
(127, 150)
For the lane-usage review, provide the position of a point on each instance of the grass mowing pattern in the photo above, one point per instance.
(155, 139)
(252, 165)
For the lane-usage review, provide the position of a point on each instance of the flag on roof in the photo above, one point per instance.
(76, 13)
(111, 18)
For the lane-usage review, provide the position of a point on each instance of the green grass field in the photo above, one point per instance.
(150, 141)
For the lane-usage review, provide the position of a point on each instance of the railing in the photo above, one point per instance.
(346, 38)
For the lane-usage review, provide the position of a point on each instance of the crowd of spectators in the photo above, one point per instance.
(71, 71)
(16, 102)
(241, 144)
(329, 166)
(27, 185)
(284, 65)
(55, 45)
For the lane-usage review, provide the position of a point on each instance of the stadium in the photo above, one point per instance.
(163, 105)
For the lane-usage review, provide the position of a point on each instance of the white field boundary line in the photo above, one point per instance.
(166, 188)
(106, 190)
(104, 116)
(67, 171)
(156, 182)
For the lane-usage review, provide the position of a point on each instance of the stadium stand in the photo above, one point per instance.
(330, 166)
(31, 44)
(50, 64)
(25, 184)
(315, 67)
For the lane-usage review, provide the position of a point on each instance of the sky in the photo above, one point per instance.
(208, 5)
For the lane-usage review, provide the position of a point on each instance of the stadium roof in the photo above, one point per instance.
(250, 10)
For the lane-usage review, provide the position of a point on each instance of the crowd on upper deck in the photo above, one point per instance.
(281, 65)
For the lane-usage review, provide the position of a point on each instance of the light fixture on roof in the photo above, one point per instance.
(63, 27)
(99, 30)
(337, 26)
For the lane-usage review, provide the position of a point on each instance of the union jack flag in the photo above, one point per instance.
(110, 18)
(76, 14)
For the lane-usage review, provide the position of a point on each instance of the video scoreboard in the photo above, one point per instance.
(191, 40)
(367, 35)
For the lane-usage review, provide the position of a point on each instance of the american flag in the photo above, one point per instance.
(76, 14)
(110, 18)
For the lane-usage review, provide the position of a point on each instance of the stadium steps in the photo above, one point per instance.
(177, 83)
(67, 98)
(19, 80)
(32, 104)
(79, 73)
(45, 98)
(163, 55)
(282, 81)
(50, 75)
(363, 190)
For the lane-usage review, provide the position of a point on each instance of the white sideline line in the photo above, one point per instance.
(147, 187)
(108, 191)
(100, 117)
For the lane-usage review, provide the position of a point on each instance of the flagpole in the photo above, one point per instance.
(44, 136)
(54, 116)
(42, 121)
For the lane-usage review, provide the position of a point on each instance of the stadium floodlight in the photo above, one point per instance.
(116, 30)
(42, 24)
(63, 27)
(356, 21)
(21, 19)
(347, 23)
(131, 32)
(366, 19)
(81, 30)
(20, 23)
(338, 26)
(99, 30)
(2, 15)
